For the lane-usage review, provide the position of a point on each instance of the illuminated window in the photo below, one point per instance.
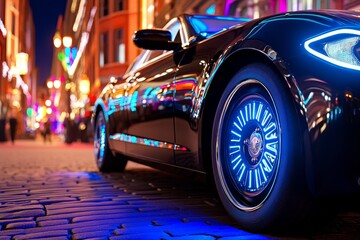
(104, 49)
(119, 5)
(13, 23)
(295, 5)
(104, 8)
(119, 55)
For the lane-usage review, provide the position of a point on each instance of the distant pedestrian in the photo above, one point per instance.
(2, 129)
(13, 128)
(47, 131)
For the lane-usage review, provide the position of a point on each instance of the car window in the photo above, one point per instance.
(147, 55)
(174, 28)
(138, 62)
(207, 26)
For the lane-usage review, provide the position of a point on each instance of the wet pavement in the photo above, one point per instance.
(54, 191)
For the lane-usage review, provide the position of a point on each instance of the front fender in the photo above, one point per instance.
(227, 65)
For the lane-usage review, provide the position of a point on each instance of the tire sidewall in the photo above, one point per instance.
(99, 117)
(103, 165)
(288, 189)
(110, 162)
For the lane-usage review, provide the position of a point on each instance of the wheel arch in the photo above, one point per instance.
(99, 106)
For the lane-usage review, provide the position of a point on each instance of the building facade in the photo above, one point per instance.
(101, 48)
(18, 78)
(166, 9)
(74, 64)
(117, 21)
(27, 70)
(3, 79)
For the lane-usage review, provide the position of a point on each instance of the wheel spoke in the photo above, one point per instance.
(259, 149)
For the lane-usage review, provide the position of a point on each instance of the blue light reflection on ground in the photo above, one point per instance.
(92, 176)
(144, 204)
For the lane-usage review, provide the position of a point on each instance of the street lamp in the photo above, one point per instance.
(67, 41)
(57, 40)
(50, 84)
(57, 83)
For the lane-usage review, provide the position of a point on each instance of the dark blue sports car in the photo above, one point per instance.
(268, 109)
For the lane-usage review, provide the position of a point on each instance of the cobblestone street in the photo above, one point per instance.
(54, 191)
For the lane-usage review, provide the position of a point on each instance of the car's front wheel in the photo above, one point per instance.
(105, 160)
(257, 151)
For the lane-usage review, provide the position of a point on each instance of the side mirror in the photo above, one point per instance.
(154, 39)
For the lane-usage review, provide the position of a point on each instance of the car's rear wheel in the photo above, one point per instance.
(105, 160)
(257, 151)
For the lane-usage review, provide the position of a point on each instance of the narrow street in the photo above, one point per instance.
(54, 191)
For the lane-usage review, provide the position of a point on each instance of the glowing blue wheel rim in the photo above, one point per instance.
(249, 145)
(99, 139)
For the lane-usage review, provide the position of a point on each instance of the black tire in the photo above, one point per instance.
(257, 152)
(105, 160)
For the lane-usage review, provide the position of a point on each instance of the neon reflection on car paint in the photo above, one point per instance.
(147, 92)
(253, 145)
(130, 101)
(147, 142)
(133, 101)
(328, 58)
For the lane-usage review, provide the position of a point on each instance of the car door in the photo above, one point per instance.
(149, 94)
(191, 78)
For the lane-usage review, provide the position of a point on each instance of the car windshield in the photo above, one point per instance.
(209, 25)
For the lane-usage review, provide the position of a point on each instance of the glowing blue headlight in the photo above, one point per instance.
(337, 47)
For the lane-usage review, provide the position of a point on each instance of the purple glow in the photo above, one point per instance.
(227, 7)
(282, 6)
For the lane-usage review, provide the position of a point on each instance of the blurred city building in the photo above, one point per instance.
(75, 64)
(3, 80)
(92, 44)
(102, 48)
(18, 71)
(166, 9)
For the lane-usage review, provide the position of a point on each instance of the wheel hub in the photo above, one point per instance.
(255, 146)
